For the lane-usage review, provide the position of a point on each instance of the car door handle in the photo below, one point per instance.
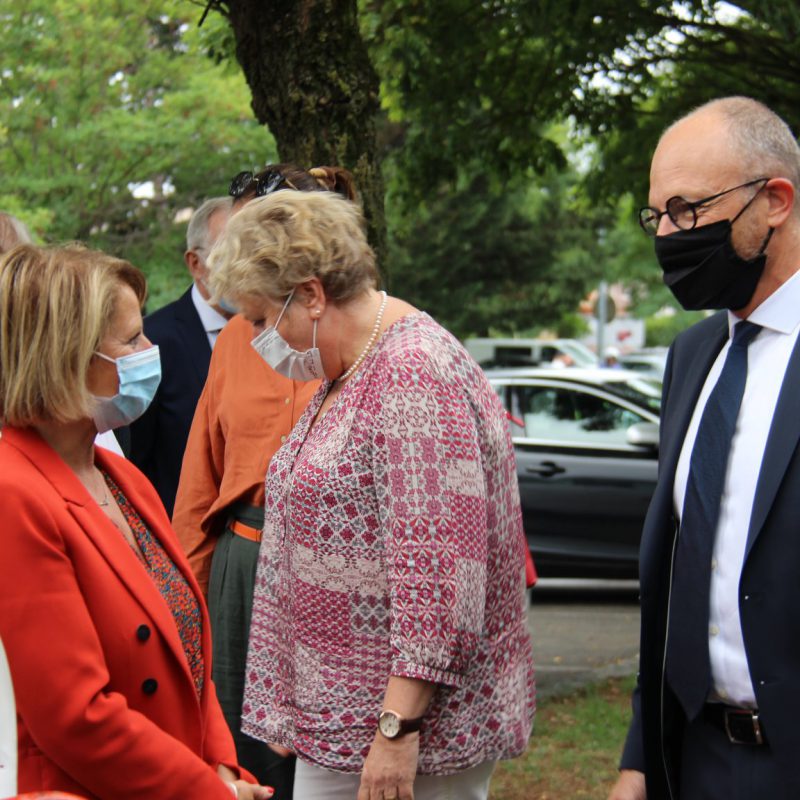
(546, 469)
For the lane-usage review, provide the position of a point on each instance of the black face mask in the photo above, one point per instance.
(702, 269)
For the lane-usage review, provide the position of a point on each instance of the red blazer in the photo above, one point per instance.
(106, 706)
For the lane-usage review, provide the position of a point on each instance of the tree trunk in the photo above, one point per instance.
(313, 84)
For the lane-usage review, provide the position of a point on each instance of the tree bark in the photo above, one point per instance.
(313, 84)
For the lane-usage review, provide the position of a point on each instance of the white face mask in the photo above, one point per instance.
(285, 360)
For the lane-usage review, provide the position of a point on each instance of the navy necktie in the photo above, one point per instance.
(688, 666)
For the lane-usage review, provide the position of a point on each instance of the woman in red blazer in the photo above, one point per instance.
(103, 624)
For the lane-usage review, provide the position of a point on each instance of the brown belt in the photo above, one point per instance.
(741, 725)
(245, 531)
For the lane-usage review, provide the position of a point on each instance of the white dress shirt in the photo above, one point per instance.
(109, 441)
(213, 321)
(8, 731)
(767, 358)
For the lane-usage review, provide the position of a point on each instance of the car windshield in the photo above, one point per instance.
(644, 391)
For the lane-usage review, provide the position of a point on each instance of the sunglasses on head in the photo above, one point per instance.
(265, 183)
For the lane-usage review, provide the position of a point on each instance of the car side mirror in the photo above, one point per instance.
(643, 434)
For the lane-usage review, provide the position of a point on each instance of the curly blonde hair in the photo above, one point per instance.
(55, 306)
(279, 241)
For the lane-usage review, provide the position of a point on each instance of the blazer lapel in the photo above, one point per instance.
(105, 536)
(782, 441)
(689, 376)
(111, 544)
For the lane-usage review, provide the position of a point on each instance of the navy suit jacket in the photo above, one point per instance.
(158, 438)
(769, 589)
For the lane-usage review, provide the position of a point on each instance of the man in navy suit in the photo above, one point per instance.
(717, 707)
(185, 332)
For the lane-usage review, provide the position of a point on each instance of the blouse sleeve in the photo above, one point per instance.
(432, 502)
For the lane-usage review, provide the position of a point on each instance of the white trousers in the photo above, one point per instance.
(314, 783)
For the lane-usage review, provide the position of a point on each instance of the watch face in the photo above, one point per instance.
(389, 724)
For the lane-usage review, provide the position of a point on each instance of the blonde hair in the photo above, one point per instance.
(278, 241)
(55, 307)
(12, 232)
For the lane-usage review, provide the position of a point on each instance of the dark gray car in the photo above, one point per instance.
(586, 444)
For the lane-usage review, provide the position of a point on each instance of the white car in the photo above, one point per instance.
(512, 352)
(646, 362)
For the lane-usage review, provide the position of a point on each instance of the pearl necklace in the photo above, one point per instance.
(371, 341)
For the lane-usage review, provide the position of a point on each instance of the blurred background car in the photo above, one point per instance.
(586, 446)
(650, 362)
(509, 352)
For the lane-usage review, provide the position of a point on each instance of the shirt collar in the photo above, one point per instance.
(212, 320)
(780, 312)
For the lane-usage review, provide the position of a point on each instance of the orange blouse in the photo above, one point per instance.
(245, 413)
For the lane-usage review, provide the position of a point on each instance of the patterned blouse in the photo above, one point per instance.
(171, 584)
(393, 545)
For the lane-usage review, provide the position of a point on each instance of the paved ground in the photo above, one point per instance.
(583, 632)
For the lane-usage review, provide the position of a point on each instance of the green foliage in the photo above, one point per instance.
(473, 89)
(661, 329)
(493, 259)
(676, 57)
(514, 135)
(98, 97)
(466, 83)
(571, 326)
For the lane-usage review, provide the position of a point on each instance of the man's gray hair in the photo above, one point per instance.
(766, 145)
(197, 232)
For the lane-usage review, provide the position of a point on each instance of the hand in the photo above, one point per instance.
(629, 786)
(252, 791)
(390, 768)
(244, 790)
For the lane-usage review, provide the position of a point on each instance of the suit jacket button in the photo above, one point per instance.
(143, 633)
(149, 685)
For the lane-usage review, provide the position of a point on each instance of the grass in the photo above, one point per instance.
(575, 747)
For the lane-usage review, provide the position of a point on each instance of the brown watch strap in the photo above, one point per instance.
(404, 725)
(410, 725)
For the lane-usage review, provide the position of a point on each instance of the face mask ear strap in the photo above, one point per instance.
(104, 356)
(766, 241)
(749, 202)
(283, 310)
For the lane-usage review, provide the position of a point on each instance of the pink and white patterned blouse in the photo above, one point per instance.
(393, 545)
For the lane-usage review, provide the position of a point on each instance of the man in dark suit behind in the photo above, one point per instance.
(185, 332)
(717, 708)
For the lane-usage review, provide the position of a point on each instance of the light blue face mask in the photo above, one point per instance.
(139, 375)
(226, 305)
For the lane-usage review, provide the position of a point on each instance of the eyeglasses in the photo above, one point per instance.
(683, 212)
(266, 183)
